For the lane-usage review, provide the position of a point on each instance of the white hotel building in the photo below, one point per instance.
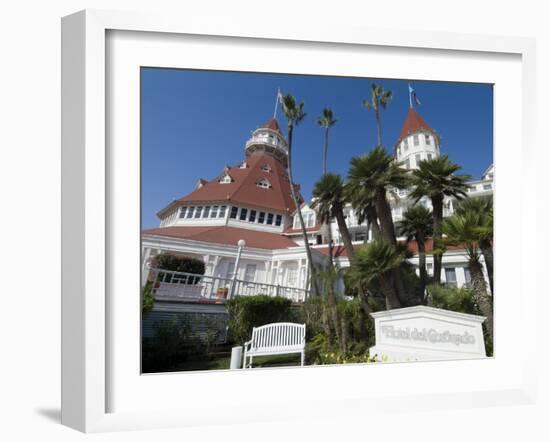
(251, 201)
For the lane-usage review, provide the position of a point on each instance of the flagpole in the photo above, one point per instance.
(276, 102)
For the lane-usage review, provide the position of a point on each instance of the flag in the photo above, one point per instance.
(413, 97)
(279, 96)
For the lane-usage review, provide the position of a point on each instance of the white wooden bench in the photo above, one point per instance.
(275, 339)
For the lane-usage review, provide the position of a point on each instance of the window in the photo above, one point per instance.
(467, 277)
(222, 211)
(261, 217)
(319, 239)
(214, 212)
(234, 211)
(405, 145)
(450, 276)
(263, 183)
(292, 277)
(182, 211)
(206, 212)
(226, 179)
(429, 268)
(278, 220)
(408, 163)
(310, 219)
(417, 157)
(190, 212)
(198, 212)
(430, 156)
(250, 272)
(243, 165)
(428, 139)
(230, 270)
(360, 236)
(269, 218)
(244, 212)
(266, 168)
(252, 216)
(415, 139)
(487, 187)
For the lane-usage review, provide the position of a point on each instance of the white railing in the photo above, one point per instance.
(170, 285)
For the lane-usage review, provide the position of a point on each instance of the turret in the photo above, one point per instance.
(417, 141)
(268, 139)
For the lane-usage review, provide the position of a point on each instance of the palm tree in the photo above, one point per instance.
(375, 174)
(464, 230)
(326, 121)
(362, 201)
(379, 98)
(373, 266)
(484, 207)
(436, 179)
(417, 225)
(294, 114)
(329, 202)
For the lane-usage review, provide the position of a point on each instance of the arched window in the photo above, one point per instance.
(266, 168)
(263, 183)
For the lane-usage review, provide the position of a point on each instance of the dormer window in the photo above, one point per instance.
(243, 165)
(266, 168)
(263, 183)
(226, 179)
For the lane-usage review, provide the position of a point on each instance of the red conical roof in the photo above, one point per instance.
(414, 123)
(273, 125)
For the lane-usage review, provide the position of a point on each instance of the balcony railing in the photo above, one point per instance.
(170, 285)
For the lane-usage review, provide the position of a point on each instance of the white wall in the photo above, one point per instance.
(30, 174)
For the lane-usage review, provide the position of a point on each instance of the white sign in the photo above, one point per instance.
(427, 333)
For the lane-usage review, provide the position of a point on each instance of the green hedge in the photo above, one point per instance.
(167, 261)
(246, 312)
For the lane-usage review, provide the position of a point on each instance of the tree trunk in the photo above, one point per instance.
(300, 217)
(392, 300)
(383, 211)
(422, 266)
(378, 127)
(346, 238)
(487, 251)
(372, 217)
(325, 152)
(437, 205)
(482, 298)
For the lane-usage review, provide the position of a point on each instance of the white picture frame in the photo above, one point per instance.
(86, 204)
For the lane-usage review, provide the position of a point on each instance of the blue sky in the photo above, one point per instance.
(195, 122)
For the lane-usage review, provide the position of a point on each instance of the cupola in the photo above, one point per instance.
(268, 139)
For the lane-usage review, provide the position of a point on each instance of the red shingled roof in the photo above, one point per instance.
(414, 123)
(273, 125)
(225, 235)
(244, 190)
(412, 246)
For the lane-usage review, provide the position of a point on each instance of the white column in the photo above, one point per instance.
(146, 254)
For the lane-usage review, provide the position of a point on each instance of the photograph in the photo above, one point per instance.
(302, 220)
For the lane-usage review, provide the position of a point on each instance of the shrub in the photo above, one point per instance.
(452, 298)
(167, 261)
(147, 298)
(246, 312)
(172, 344)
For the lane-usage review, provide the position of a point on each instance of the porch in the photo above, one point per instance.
(169, 285)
